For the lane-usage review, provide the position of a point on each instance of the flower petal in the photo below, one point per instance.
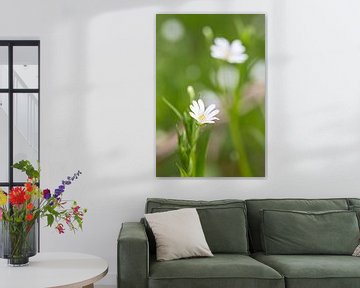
(201, 106)
(221, 42)
(213, 113)
(193, 115)
(194, 107)
(218, 52)
(237, 58)
(237, 47)
(209, 108)
(220, 48)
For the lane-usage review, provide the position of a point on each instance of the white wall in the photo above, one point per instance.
(98, 105)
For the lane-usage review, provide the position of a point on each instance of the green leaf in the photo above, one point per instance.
(183, 173)
(50, 219)
(172, 107)
(26, 167)
(79, 221)
(188, 128)
(52, 211)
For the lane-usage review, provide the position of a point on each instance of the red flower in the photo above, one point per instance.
(60, 228)
(68, 219)
(17, 196)
(75, 209)
(29, 217)
(29, 206)
(27, 196)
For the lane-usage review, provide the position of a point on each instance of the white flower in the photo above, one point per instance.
(232, 53)
(202, 115)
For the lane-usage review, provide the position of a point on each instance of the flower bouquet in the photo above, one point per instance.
(21, 208)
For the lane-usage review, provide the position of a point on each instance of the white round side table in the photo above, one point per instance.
(50, 270)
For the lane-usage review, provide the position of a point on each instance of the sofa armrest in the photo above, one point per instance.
(133, 256)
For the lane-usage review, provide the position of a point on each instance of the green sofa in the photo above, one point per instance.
(233, 230)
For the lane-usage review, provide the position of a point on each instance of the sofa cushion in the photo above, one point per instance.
(254, 207)
(297, 232)
(313, 271)
(222, 270)
(223, 221)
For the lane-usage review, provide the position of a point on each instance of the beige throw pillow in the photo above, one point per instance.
(178, 234)
(357, 251)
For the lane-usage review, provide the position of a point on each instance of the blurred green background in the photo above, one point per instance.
(183, 58)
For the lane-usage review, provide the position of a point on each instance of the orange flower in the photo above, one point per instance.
(27, 196)
(29, 206)
(29, 186)
(29, 217)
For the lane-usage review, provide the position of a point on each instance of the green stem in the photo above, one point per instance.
(18, 237)
(243, 162)
(201, 151)
(193, 158)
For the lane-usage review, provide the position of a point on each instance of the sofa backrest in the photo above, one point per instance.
(256, 205)
(223, 221)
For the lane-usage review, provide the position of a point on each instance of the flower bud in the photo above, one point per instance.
(208, 33)
(191, 93)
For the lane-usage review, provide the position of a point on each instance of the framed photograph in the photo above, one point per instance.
(210, 95)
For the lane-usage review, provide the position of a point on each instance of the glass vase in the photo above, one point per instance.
(18, 242)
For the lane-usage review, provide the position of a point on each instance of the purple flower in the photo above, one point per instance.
(58, 192)
(46, 194)
(64, 183)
